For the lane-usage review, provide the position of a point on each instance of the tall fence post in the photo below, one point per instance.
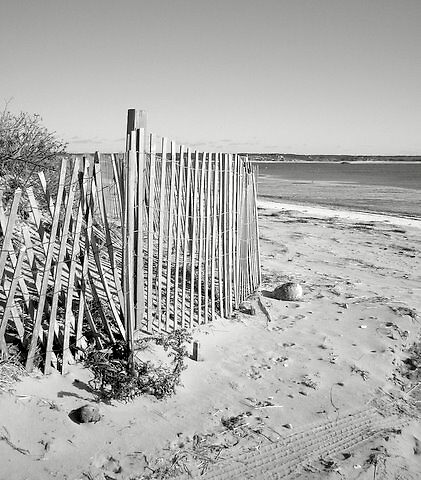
(132, 267)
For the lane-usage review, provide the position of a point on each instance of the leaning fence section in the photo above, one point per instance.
(60, 285)
(115, 246)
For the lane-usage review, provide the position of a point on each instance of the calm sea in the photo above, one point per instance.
(392, 188)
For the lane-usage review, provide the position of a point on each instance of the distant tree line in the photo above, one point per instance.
(292, 157)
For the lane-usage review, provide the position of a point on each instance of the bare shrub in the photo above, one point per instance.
(26, 147)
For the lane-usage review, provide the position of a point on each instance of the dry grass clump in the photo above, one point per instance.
(411, 366)
(193, 456)
(11, 370)
(120, 376)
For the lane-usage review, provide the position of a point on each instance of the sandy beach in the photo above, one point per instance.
(210, 240)
(324, 383)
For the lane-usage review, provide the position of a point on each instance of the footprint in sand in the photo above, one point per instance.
(417, 446)
(111, 465)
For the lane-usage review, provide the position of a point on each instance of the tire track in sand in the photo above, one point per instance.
(288, 457)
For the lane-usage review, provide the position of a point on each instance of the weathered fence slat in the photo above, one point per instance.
(7, 238)
(22, 284)
(186, 242)
(151, 213)
(230, 252)
(221, 251)
(214, 237)
(140, 277)
(256, 225)
(170, 230)
(202, 238)
(104, 218)
(207, 231)
(193, 234)
(235, 227)
(68, 313)
(87, 208)
(161, 216)
(111, 302)
(178, 236)
(130, 290)
(118, 181)
(11, 296)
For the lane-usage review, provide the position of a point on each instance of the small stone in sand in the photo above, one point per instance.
(288, 291)
(88, 414)
(247, 308)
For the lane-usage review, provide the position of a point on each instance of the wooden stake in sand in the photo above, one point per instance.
(196, 351)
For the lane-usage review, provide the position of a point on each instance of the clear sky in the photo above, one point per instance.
(303, 76)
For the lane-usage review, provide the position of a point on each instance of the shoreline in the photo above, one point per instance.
(355, 215)
(342, 162)
(335, 183)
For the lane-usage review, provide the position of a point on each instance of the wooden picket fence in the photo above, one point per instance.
(158, 239)
(190, 242)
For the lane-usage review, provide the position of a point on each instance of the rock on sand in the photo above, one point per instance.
(288, 291)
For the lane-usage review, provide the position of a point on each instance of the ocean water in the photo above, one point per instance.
(391, 188)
